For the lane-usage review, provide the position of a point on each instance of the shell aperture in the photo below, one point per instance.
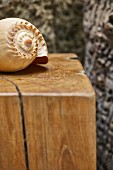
(21, 44)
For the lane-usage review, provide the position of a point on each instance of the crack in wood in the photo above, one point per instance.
(22, 120)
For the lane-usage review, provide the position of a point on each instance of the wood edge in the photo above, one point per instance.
(71, 94)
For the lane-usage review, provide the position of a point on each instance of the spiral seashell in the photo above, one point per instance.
(21, 44)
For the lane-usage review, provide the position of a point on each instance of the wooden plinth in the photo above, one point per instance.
(47, 117)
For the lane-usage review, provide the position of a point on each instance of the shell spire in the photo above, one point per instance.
(22, 44)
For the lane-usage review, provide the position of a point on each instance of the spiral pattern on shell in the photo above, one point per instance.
(23, 38)
(22, 42)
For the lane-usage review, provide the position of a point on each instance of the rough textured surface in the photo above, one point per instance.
(59, 21)
(98, 24)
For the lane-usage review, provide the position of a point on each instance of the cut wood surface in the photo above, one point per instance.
(62, 74)
(48, 113)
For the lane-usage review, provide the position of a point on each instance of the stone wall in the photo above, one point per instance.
(98, 26)
(60, 21)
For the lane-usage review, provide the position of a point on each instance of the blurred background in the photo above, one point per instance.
(59, 21)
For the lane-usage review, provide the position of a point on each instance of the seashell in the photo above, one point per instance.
(21, 44)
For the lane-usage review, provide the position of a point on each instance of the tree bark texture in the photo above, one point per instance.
(59, 21)
(98, 26)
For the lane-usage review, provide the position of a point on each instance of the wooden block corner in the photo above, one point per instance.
(47, 116)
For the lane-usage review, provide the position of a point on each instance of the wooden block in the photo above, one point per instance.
(47, 117)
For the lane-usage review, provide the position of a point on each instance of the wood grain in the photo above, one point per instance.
(11, 138)
(57, 108)
(61, 132)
